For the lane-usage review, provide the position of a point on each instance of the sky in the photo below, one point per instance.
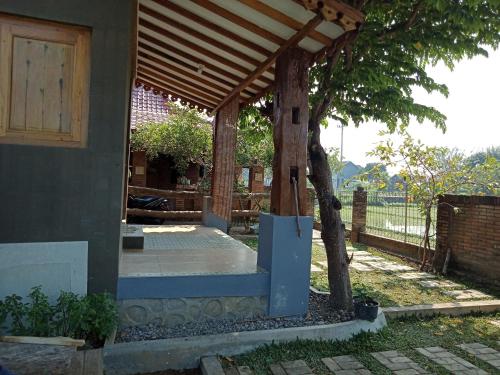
(472, 109)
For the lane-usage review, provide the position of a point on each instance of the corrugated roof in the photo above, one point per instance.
(202, 51)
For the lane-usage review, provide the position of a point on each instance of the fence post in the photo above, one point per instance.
(359, 207)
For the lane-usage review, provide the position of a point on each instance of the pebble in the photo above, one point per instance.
(319, 313)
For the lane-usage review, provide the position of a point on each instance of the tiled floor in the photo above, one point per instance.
(187, 250)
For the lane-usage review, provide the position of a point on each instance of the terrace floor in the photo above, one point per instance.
(175, 250)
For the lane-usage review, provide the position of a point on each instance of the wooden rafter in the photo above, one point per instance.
(198, 35)
(193, 46)
(195, 60)
(296, 38)
(342, 14)
(212, 26)
(174, 89)
(187, 89)
(201, 89)
(145, 81)
(192, 75)
(234, 18)
(286, 20)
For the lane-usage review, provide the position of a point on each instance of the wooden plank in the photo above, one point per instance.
(61, 341)
(165, 87)
(179, 77)
(212, 26)
(196, 34)
(139, 190)
(234, 18)
(194, 76)
(311, 25)
(195, 215)
(286, 20)
(193, 59)
(195, 47)
(187, 88)
(161, 88)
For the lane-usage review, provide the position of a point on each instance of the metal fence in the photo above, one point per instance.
(396, 216)
(345, 198)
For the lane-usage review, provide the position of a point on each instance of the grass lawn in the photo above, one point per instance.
(385, 287)
(401, 335)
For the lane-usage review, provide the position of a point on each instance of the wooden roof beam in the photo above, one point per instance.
(286, 20)
(212, 94)
(212, 26)
(214, 42)
(144, 82)
(187, 89)
(344, 15)
(234, 18)
(294, 40)
(161, 86)
(192, 58)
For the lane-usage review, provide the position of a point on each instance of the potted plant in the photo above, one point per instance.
(365, 307)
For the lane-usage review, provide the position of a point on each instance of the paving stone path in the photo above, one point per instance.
(360, 267)
(345, 365)
(398, 363)
(466, 294)
(450, 361)
(439, 284)
(364, 261)
(482, 352)
(416, 275)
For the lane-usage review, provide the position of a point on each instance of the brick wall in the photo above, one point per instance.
(473, 235)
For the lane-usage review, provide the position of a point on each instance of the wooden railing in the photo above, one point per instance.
(245, 205)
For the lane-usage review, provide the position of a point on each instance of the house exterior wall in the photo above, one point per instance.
(75, 194)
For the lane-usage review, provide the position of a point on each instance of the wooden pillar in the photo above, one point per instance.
(139, 168)
(223, 159)
(291, 116)
(256, 177)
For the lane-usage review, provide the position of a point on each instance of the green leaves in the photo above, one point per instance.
(92, 317)
(186, 136)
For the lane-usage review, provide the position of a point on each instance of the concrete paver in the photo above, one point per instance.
(360, 267)
(315, 268)
(416, 275)
(345, 365)
(450, 361)
(389, 266)
(398, 363)
(484, 353)
(296, 368)
(466, 294)
(439, 284)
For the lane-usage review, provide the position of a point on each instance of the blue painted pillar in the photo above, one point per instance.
(287, 258)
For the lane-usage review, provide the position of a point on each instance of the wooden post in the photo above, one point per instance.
(291, 116)
(223, 160)
(139, 168)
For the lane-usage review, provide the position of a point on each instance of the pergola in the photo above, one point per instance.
(220, 55)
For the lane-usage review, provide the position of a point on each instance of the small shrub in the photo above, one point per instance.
(92, 317)
(39, 313)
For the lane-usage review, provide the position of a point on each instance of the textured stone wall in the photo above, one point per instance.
(473, 235)
(174, 311)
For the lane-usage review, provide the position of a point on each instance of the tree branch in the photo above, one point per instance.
(403, 26)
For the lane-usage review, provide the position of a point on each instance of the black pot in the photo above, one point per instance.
(366, 309)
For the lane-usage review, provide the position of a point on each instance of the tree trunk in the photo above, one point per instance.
(332, 231)
(427, 246)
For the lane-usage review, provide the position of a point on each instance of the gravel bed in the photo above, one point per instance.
(319, 313)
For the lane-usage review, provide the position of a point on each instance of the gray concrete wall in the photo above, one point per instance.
(71, 194)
